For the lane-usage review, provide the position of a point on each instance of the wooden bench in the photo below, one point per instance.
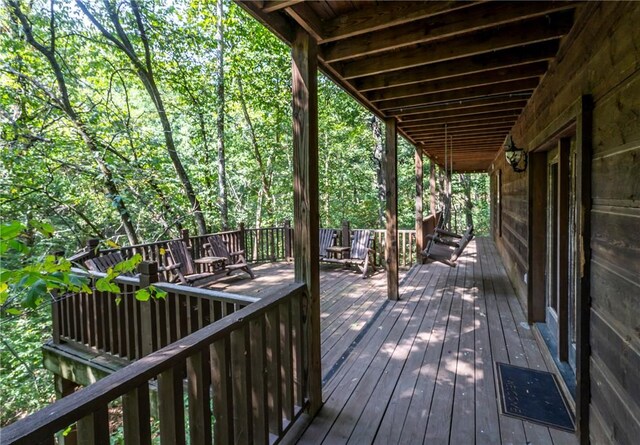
(360, 253)
(185, 267)
(233, 260)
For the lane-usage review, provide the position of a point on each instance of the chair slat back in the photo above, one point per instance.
(105, 262)
(360, 242)
(218, 247)
(180, 254)
(468, 236)
(327, 238)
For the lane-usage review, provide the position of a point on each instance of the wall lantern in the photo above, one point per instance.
(516, 157)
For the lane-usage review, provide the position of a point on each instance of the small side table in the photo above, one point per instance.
(212, 263)
(334, 251)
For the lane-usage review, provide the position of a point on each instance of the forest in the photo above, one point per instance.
(129, 121)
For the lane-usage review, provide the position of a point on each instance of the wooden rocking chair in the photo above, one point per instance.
(184, 266)
(360, 254)
(234, 260)
(446, 246)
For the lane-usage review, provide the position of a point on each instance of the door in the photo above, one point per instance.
(560, 279)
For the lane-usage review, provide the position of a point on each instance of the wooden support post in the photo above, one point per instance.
(432, 187)
(391, 239)
(242, 240)
(346, 233)
(305, 190)
(537, 237)
(419, 212)
(584, 132)
(92, 247)
(184, 234)
(148, 275)
(287, 239)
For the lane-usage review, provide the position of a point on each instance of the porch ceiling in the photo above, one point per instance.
(471, 66)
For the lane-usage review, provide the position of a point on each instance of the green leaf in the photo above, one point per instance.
(104, 285)
(11, 230)
(36, 292)
(143, 295)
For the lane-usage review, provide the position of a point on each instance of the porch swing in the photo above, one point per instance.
(445, 245)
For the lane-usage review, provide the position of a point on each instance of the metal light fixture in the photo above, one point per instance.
(515, 156)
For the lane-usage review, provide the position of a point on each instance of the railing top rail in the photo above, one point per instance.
(176, 288)
(57, 416)
(139, 246)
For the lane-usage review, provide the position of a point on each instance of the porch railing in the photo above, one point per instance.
(120, 325)
(260, 245)
(246, 382)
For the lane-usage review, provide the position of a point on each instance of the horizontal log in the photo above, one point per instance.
(536, 52)
(504, 88)
(508, 36)
(499, 75)
(474, 18)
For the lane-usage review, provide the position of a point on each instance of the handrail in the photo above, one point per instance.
(90, 403)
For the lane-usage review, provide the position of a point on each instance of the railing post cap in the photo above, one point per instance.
(148, 268)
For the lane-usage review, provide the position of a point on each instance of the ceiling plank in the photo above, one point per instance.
(406, 114)
(486, 138)
(442, 114)
(474, 18)
(499, 75)
(451, 129)
(505, 58)
(275, 5)
(383, 15)
(278, 23)
(507, 36)
(503, 88)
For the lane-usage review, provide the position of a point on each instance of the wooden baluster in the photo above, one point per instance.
(258, 387)
(242, 239)
(130, 317)
(199, 382)
(171, 407)
(286, 365)
(297, 339)
(136, 416)
(274, 375)
(241, 379)
(222, 392)
(94, 428)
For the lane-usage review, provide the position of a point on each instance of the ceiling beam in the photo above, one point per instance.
(462, 132)
(507, 36)
(468, 127)
(307, 19)
(475, 18)
(497, 89)
(499, 75)
(536, 52)
(497, 138)
(275, 5)
(468, 112)
(497, 102)
(461, 122)
(383, 15)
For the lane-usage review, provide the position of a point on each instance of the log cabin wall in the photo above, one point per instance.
(601, 58)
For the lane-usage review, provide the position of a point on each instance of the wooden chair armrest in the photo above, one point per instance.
(239, 252)
(168, 268)
(439, 240)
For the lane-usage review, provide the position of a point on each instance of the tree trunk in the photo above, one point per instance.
(465, 179)
(222, 174)
(64, 104)
(144, 70)
(378, 156)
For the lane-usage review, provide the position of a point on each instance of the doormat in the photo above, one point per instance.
(533, 395)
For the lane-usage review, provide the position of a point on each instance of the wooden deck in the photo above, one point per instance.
(420, 370)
